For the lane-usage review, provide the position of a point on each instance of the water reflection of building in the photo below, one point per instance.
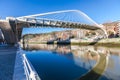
(81, 55)
(84, 57)
(88, 57)
(40, 47)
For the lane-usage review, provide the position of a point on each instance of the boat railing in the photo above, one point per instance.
(30, 72)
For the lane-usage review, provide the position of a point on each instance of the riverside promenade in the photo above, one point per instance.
(11, 67)
(7, 62)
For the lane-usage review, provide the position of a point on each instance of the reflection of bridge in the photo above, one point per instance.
(12, 27)
(96, 72)
(83, 56)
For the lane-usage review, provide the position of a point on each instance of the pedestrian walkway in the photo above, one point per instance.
(7, 62)
(19, 73)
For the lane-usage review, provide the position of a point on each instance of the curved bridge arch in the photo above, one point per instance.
(58, 12)
(74, 21)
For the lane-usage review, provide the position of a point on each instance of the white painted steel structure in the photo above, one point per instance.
(31, 74)
(62, 19)
(58, 12)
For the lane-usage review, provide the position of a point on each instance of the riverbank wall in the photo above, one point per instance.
(110, 42)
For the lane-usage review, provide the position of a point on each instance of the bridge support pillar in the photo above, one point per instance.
(8, 31)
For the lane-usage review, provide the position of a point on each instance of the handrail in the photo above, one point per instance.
(31, 74)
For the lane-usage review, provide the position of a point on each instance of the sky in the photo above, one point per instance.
(99, 10)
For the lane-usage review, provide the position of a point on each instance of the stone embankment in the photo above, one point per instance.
(111, 42)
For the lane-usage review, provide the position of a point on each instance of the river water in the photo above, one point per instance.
(66, 62)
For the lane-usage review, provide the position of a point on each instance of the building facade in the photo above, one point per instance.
(112, 28)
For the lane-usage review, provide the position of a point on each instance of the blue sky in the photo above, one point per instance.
(99, 10)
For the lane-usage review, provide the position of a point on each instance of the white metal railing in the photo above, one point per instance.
(30, 72)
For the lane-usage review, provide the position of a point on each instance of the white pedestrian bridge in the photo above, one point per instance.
(64, 19)
(59, 19)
